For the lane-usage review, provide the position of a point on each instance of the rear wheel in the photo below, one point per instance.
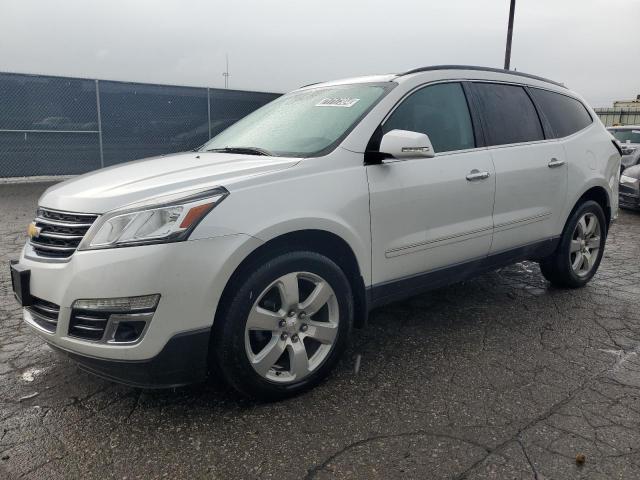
(285, 327)
(579, 253)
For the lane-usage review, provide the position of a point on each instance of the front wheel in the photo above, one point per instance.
(578, 255)
(285, 327)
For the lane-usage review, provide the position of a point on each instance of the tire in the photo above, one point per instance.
(263, 336)
(578, 248)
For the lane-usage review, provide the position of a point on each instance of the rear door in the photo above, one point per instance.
(531, 171)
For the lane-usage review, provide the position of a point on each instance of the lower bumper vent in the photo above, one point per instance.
(44, 314)
(88, 325)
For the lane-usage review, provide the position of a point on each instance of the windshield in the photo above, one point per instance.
(622, 136)
(303, 123)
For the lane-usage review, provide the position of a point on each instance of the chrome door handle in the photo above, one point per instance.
(555, 163)
(475, 175)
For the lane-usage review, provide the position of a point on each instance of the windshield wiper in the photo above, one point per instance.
(245, 150)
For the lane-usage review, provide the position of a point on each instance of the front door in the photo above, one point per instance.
(431, 213)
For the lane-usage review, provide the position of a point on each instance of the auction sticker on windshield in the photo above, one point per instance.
(337, 102)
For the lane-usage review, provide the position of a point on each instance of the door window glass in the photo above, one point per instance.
(441, 112)
(509, 114)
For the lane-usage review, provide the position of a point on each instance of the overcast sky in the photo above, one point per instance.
(277, 45)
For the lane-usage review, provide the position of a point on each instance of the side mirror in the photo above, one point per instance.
(403, 144)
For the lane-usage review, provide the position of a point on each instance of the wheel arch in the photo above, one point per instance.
(598, 194)
(319, 241)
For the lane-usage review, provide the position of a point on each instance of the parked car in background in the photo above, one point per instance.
(629, 138)
(255, 255)
(630, 188)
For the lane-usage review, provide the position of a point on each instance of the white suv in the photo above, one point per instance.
(256, 254)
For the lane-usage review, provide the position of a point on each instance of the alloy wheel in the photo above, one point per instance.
(585, 244)
(292, 327)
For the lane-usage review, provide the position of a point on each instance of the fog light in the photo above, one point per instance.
(122, 304)
(127, 329)
(112, 320)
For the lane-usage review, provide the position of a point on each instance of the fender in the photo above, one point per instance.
(594, 182)
(359, 246)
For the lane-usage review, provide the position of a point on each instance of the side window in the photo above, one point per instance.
(441, 112)
(565, 114)
(509, 114)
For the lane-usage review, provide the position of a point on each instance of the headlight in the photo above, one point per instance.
(161, 222)
(626, 179)
(628, 150)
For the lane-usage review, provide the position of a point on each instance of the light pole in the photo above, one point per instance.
(226, 74)
(507, 53)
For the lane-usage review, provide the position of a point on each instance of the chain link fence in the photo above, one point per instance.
(67, 126)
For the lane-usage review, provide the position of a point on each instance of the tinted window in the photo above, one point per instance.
(441, 112)
(565, 114)
(509, 114)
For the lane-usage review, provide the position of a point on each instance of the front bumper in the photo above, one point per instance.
(182, 361)
(629, 201)
(189, 276)
(629, 196)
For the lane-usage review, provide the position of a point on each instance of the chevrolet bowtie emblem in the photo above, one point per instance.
(33, 231)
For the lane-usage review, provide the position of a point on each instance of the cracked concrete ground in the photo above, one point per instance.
(499, 377)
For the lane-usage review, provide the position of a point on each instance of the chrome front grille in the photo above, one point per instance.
(44, 314)
(59, 233)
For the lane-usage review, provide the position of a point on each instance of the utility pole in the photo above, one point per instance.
(507, 53)
(226, 73)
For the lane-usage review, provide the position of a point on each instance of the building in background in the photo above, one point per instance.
(623, 112)
(67, 126)
(627, 103)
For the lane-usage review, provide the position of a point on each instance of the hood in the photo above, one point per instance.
(120, 185)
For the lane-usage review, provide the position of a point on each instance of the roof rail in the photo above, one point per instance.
(482, 69)
(310, 84)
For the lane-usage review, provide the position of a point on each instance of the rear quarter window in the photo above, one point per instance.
(566, 115)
